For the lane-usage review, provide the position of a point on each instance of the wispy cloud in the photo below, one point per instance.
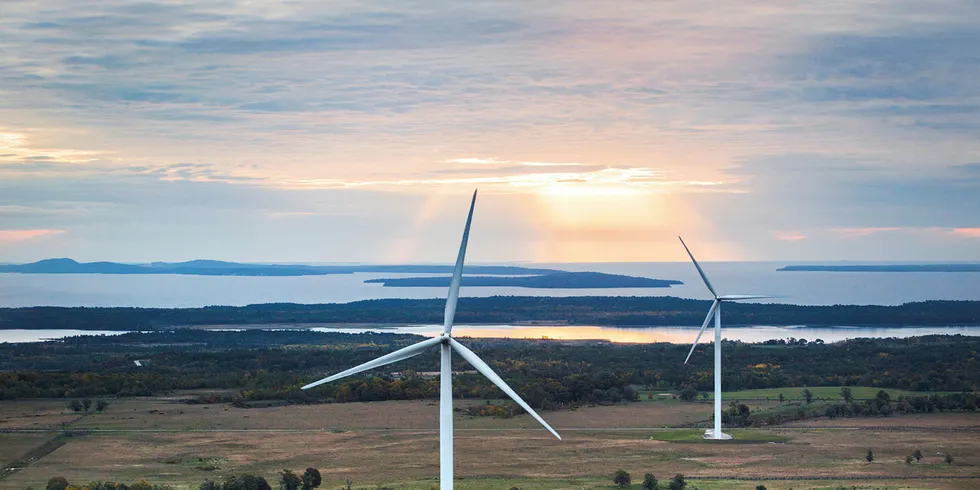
(622, 178)
(867, 231)
(12, 236)
(497, 161)
(14, 148)
(136, 105)
(929, 230)
(789, 236)
(967, 232)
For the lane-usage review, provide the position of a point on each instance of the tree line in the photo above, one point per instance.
(287, 480)
(497, 309)
(260, 366)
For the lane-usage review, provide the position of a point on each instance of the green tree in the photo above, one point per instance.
(846, 394)
(917, 455)
(782, 397)
(246, 482)
(677, 483)
(141, 485)
(949, 459)
(870, 456)
(209, 485)
(650, 482)
(622, 479)
(311, 479)
(75, 406)
(288, 480)
(87, 404)
(909, 459)
(807, 395)
(630, 394)
(760, 487)
(101, 405)
(688, 394)
(57, 483)
(883, 397)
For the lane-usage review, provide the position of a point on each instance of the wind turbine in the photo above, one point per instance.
(446, 344)
(715, 311)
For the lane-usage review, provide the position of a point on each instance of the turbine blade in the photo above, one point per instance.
(700, 271)
(400, 354)
(707, 319)
(447, 325)
(739, 297)
(483, 368)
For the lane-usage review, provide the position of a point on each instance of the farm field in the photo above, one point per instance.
(826, 392)
(168, 442)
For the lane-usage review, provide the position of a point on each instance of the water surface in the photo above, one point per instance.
(169, 291)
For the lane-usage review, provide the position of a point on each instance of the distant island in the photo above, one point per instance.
(554, 280)
(221, 268)
(883, 268)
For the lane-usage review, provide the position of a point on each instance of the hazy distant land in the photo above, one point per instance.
(555, 280)
(883, 268)
(221, 268)
(493, 276)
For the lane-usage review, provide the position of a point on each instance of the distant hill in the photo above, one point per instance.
(221, 268)
(883, 268)
(555, 280)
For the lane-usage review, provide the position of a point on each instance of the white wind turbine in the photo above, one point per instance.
(447, 343)
(715, 310)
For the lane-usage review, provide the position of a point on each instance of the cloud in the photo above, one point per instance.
(759, 117)
(14, 236)
(928, 230)
(967, 232)
(477, 161)
(609, 179)
(789, 236)
(868, 231)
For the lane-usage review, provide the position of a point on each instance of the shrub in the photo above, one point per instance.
(57, 483)
(650, 482)
(622, 479)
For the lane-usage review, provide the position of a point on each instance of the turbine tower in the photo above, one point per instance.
(446, 344)
(715, 311)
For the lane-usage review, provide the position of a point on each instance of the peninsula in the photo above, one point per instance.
(554, 280)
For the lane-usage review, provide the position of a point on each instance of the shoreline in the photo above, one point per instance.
(238, 327)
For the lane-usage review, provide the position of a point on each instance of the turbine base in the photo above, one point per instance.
(710, 434)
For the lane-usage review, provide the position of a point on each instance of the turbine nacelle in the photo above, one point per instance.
(718, 299)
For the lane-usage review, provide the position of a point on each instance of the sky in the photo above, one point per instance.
(343, 131)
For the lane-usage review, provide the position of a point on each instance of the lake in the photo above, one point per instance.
(677, 335)
(169, 291)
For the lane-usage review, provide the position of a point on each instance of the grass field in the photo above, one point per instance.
(828, 392)
(739, 436)
(395, 445)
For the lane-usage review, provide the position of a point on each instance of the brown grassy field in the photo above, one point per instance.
(395, 444)
(34, 414)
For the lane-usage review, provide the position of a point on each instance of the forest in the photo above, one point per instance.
(258, 365)
(587, 310)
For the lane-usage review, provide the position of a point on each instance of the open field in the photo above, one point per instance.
(35, 414)
(168, 442)
(740, 436)
(828, 392)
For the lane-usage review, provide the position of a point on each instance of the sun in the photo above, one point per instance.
(579, 222)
